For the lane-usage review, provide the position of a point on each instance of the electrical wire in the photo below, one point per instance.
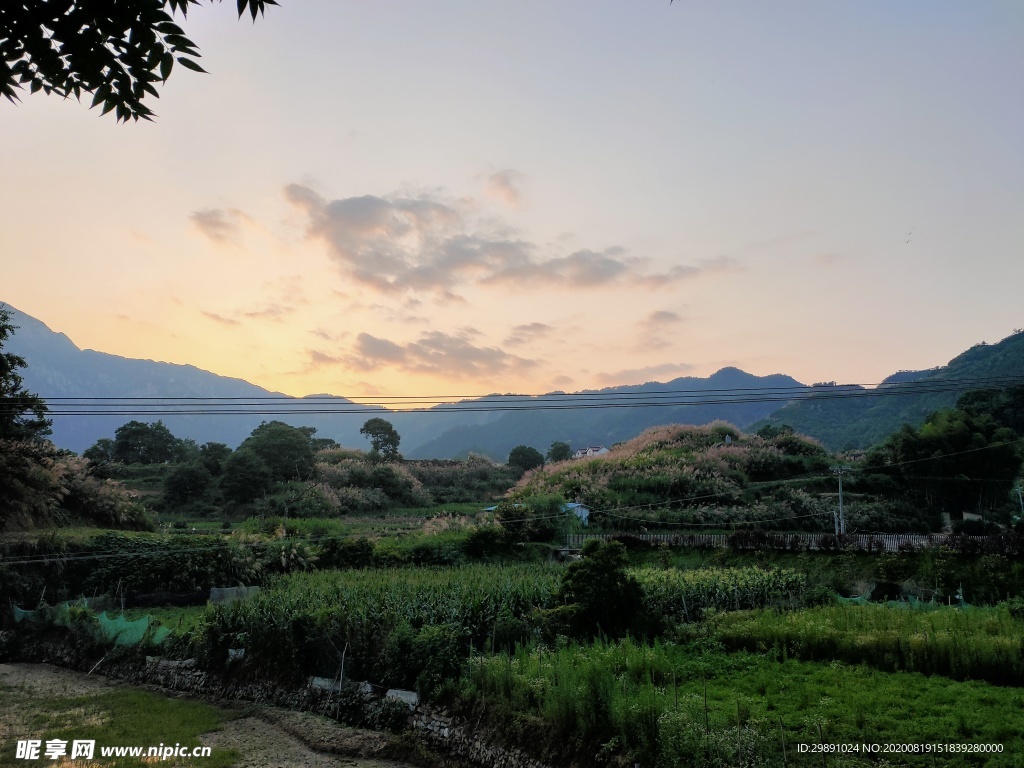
(326, 405)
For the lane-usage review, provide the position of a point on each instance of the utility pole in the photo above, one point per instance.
(841, 522)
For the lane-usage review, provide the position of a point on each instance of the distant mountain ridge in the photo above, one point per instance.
(57, 368)
(606, 426)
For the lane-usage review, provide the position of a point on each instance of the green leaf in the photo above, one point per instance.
(189, 64)
(169, 28)
(179, 41)
(166, 62)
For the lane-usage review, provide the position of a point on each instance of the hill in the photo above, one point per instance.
(841, 421)
(676, 476)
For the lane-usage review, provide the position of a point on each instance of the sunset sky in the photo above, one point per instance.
(462, 197)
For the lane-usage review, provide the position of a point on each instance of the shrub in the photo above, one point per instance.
(605, 596)
(346, 553)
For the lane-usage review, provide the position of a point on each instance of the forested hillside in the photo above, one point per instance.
(842, 421)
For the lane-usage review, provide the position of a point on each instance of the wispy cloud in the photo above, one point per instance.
(434, 352)
(504, 186)
(406, 244)
(646, 374)
(284, 296)
(524, 334)
(661, 318)
(219, 224)
(221, 319)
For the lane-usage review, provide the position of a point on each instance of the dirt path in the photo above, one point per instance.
(265, 737)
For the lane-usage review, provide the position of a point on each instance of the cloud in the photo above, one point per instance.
(272, 311)
(523, 334)
(286, 296)
(688, 271)
(220, 318)
(434, 352)
(218, 224)
(318, 359)
(326, 335)
(644, 375)
(503, 186)
(425, 244)
(660, 319)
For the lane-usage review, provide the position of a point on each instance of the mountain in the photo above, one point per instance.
(845, 416)
(57, 369)
(606, 426)
(850, 416)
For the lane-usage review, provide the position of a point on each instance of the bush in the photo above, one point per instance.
(533, 518)
(346, 553)
(605, 596)
(486, 542)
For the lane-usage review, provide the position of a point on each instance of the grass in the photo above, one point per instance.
(978, 643)
(648, 703)
(124, 717)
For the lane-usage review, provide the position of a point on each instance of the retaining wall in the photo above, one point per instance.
(440, 729)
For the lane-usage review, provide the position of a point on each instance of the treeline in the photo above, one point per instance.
(41, 486)
(286, 471)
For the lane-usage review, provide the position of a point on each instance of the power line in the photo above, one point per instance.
(280, 405)
(995, 380)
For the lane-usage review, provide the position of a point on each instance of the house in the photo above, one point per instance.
(582, 511)
(593, 450)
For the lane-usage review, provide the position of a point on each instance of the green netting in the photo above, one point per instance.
(123, 631)
(160, 634)
(22, 615)
(859, 600)
(120, 630)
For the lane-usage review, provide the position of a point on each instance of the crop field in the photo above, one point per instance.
(975, 643)
(676, 705)
(740, 658)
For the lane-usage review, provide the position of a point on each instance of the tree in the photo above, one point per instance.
(383, 437)
(213, 456)
(140, 443)
(187, 483)
(246, 477)
(287, 451)
(606, 598)
(22, 413)
(118, 51)
(954, 462)
(559, 451)
(1004, 405)
(525, 458)
(101, 452)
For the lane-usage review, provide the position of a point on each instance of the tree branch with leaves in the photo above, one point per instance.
(117, 50)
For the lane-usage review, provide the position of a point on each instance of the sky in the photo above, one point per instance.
(461, 197)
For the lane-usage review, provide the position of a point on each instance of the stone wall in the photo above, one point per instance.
(438, 728)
